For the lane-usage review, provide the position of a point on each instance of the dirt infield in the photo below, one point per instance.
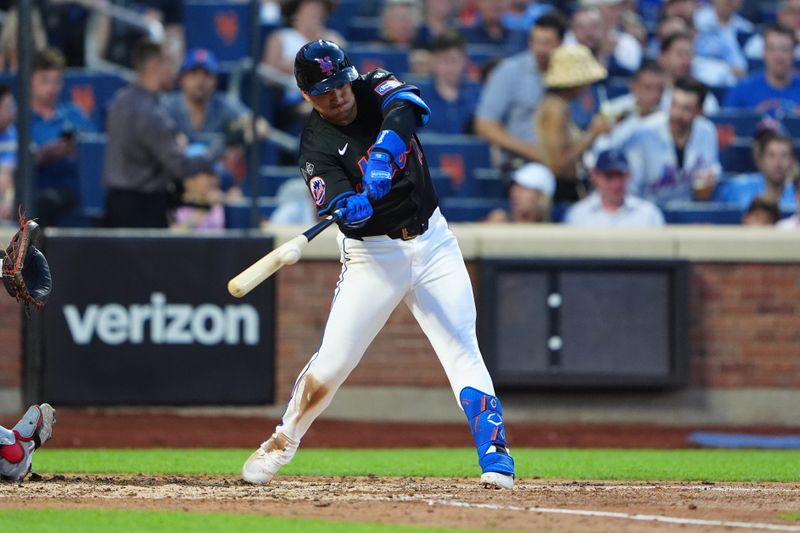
(535, 505)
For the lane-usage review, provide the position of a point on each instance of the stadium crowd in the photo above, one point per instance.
(589, 112)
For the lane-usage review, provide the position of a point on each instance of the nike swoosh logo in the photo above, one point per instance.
(343, 149)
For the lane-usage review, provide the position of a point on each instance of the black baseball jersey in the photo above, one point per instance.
(333, 159)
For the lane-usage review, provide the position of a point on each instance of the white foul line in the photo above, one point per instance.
(606, 514)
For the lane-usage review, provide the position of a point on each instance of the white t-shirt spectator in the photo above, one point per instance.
(653, 159)
(634, 213)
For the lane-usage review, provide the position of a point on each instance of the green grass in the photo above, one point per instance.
(106, 520)
(584, 464)
(789, 516)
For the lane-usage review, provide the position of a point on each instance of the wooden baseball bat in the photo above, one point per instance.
(255, 274)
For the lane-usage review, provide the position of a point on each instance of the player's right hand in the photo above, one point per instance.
(377, 179)
(357, 211)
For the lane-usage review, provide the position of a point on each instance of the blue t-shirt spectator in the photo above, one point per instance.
(741, 190)
(68, 121)
(8, 146)
(221, 113)
(451, 116)
(755, 93)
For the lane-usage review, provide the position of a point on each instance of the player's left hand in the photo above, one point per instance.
(378, 174)
(26, 274)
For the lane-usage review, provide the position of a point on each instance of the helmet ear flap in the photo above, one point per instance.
(319, 66)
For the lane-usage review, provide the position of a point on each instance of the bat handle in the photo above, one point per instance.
(313, 231)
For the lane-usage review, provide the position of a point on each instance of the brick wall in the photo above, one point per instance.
(10, 343)
(745, 330)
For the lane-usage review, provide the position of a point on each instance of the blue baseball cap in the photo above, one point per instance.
(612, 161)
(200, 58)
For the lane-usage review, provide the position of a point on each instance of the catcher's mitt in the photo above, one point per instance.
(26, 274)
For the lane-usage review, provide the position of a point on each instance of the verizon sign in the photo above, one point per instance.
(147, 320)
(161, 323)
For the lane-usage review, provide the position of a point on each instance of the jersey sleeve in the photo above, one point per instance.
(326, 180)
(384, 85)
(388, 90)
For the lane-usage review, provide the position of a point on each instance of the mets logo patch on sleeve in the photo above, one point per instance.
(387, 86)
(317, 187)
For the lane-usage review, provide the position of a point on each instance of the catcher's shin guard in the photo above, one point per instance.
(485, 416)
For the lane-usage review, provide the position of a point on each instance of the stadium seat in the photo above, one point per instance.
(222, 27)
(271, 178)
(459, 157)
(92, 92)
(739, 122)
(470, 209)
(702, 213)
(737, 157)
(342, 15)
(237, 213)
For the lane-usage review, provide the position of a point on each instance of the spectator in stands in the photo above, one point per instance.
(8, 38)
(718, 27)
(561, 143)
(144, 159)
(677, 59)
(8, 153)
(198, 109)
(205, 116)
(761, 212)
(610, 204)
(793, 222)
(451, 97)
(778, 86)
(530, 195)
(523, 14)
(512, 91)
(675, 156)
(666, 26)
(55, 126)
(773, 153)
(66, 27)
(438, 16)
(400, 23)
(595, 25)
(201, 206)
(788, 16)
(684, 9)
(488, 27)
(114, 38)
(306, 22)
(627, 111)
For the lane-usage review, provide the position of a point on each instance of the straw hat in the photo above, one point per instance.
(573, 65)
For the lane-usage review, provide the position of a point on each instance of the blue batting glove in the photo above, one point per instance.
(357, 210)
(384, 158)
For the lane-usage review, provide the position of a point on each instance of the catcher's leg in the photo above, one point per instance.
(373, 280)
(18, 444)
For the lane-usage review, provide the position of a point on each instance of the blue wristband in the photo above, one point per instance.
(390, 142)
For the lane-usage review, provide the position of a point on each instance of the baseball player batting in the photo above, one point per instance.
(359, 153)
(26, 277)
